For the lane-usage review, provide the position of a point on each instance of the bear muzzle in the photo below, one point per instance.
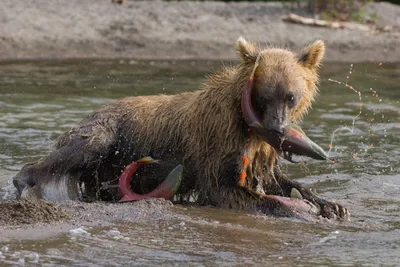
(291, 141)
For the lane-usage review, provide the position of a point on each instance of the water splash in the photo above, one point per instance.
(346, 128)
(357, 116)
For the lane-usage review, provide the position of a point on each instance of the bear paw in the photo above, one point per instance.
(332, 210)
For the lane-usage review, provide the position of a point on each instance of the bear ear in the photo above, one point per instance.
(311, 56)
(247, 51)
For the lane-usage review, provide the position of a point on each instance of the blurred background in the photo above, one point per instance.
(354, 30)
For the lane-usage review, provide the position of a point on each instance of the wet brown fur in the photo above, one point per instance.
(204, 130)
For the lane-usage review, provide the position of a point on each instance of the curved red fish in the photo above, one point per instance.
(165, 190)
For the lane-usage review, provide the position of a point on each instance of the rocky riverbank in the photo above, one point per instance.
(43, 29)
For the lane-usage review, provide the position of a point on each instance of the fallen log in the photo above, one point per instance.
(293, 18)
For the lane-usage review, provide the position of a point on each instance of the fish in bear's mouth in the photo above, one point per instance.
(294, 141)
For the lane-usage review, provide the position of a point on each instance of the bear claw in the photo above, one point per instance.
(332, 210)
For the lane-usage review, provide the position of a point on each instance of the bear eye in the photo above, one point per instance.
(290, 99)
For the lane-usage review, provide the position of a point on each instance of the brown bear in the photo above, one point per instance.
(204, 130)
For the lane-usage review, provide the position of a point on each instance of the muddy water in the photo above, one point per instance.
(40, 100)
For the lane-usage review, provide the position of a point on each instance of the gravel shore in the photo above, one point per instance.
(61, 29)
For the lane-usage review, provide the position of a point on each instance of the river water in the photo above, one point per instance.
(39, 100)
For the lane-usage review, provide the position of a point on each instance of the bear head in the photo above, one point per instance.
(284, 83)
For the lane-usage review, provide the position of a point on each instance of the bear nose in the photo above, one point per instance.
(276, 130)
(274, 136)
